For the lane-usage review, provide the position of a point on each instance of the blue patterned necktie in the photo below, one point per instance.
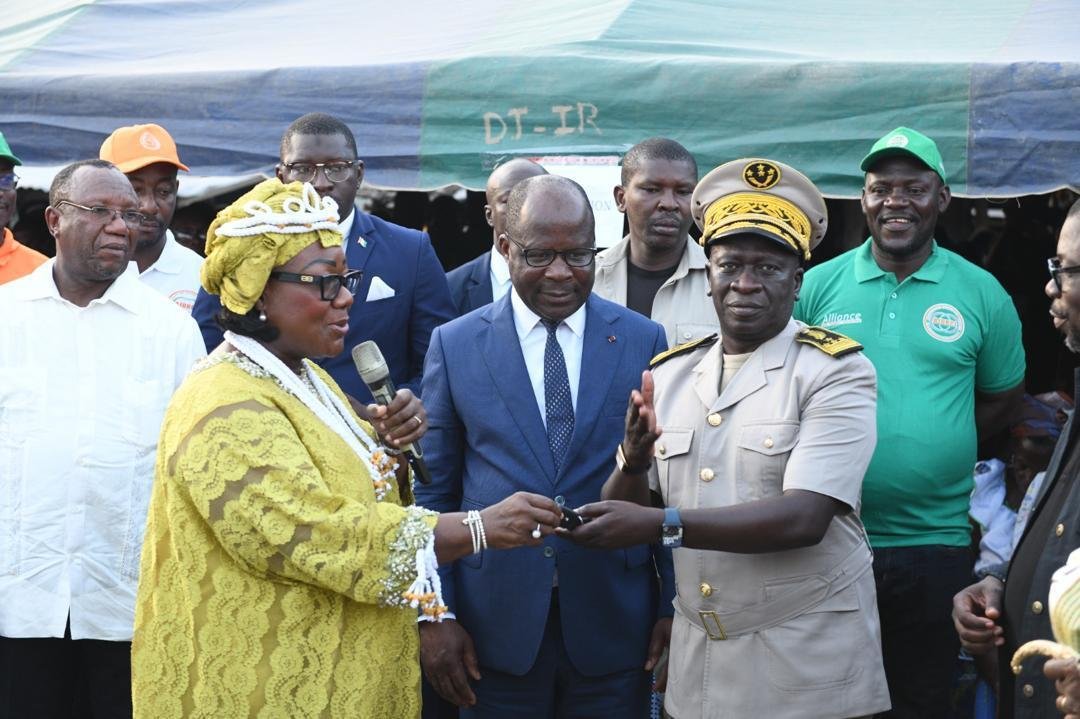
(559, 409)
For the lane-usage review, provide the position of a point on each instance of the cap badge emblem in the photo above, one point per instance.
(761, 174)
(148, 141)
(897, 141)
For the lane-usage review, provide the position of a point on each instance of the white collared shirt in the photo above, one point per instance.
(345, 226)
(533, 337)
(500, 276)
(83, 391)
(175, 274)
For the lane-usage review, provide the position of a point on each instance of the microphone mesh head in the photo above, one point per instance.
(370, 363)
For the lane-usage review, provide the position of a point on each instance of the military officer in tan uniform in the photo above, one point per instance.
(747, 454)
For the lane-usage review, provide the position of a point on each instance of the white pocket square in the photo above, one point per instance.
(378, 290)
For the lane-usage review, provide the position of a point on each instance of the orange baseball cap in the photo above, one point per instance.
(134, 147)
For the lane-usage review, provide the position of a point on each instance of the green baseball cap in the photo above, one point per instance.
(5, 151)
(905, 141)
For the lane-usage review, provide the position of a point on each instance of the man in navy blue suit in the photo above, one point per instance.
(403, 296)
(487, 278)
(531, 392)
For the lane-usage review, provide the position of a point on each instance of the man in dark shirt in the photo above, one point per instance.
(1009, 605)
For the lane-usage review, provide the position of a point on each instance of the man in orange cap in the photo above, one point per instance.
(16, 259)
(147, 155)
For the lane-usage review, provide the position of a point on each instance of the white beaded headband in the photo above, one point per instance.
(298, 215)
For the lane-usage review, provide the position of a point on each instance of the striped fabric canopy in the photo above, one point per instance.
(438, 92)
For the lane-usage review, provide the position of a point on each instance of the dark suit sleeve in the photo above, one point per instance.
(455, 280)
(665, 564)
(205, 312)
(431, 307)
(444, 446)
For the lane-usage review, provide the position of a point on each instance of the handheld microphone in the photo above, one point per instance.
(376, 375)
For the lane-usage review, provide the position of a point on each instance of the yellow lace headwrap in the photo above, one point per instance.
(264, 229)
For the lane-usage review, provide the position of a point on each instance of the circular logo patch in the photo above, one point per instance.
(148, 141)
(185, 299)
(943, 322)
(897, 141)
(761, 174)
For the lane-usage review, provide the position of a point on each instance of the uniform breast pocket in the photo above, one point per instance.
(763, 451)
(686, 331)
(673, 458)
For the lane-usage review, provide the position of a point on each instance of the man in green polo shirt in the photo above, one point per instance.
(945, 340)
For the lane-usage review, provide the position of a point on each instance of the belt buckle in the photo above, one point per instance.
(716, 633)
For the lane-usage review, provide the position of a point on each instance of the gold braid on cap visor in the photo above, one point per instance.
(755, 211)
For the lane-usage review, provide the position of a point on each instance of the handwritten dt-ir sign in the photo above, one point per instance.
(513, 125)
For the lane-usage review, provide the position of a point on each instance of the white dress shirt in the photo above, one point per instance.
(175, 274)
(500, 275)
(533, 337)
(82, 394)
(345, 226)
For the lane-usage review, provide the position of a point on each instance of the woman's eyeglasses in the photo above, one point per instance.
(329, 285)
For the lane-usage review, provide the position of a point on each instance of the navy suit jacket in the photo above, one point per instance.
(401, 325)
(470, 284)
(487, 440)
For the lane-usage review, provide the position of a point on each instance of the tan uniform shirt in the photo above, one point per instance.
(790, 634)
(681, 304)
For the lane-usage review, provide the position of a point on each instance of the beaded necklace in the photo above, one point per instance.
(310, 389)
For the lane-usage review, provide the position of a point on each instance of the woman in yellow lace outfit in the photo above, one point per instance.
(284, 564)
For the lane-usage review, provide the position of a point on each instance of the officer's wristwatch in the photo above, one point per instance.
(671, 529)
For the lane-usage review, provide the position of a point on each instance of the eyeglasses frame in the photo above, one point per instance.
(115, 211)
(556, 253)
(321, 166)
(1058, 270)
(320, 280)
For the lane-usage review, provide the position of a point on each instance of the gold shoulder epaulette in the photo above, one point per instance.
(829, 342)
(683, 349)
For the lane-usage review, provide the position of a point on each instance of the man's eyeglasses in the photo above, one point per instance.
(334, 171)
(9, 181)
(329, 285)
(105, 214)
(1056, 271)
(535, 257)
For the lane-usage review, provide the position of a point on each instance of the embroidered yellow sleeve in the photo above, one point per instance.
(247, 473)
(271, 579)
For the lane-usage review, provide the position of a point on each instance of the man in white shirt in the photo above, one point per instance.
(658, 270)
(147, 155)
(487, 278)
(89, 359)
